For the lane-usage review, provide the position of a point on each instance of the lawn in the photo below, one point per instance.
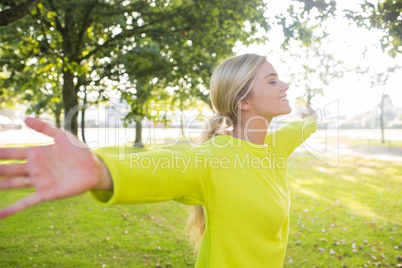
(369, 143)
(345, 216)
(348, 216)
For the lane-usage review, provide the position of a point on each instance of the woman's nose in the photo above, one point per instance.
(284, 86)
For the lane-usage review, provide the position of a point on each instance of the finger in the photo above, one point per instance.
(15, 183)
(22, 204)
(13, 153)
(14, 169)
(42, 127)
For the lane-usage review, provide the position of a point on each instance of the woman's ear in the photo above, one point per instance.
(244, 104)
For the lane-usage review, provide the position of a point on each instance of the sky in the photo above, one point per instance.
(353, 93)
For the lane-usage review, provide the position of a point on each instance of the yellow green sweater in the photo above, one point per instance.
(242, 187)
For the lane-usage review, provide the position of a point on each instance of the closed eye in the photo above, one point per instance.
(273, 82)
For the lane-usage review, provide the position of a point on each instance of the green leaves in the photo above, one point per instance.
(109, 46)
(384, 15)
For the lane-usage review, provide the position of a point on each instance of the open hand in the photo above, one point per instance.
(310, 112)
(65, 168)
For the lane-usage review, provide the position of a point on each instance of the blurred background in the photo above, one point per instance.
(115, 72)
(135, 73)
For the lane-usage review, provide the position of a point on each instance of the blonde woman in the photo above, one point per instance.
(236, 179)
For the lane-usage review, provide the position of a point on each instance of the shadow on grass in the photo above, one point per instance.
(348, 215)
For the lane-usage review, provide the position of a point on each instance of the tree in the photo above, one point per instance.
(77, 32)
(314, 72)
(303, 21)
(31, 75)
(384, 15)
(380, 80)
(11, 11)
(186, 39)
(384, 104)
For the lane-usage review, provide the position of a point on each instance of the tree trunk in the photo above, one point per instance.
(83, 124)
(70, 101)
(58, 120)
(382, 118)
(58, 108)
(84, 104)
(138, 134)
(181, 119)
(70, 98)
(182, 124)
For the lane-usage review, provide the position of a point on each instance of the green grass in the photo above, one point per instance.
(356, 205)
(353, 205)
(370, 143)
(79, 232)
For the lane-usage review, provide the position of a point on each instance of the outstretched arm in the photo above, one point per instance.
(63, 169)
(286, 139)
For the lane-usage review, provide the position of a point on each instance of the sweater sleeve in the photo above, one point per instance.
(155, 176)
(286, 139)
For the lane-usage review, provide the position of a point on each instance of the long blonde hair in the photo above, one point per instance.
(231, 82)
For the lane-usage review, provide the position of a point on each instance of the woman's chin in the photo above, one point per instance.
(287, 111)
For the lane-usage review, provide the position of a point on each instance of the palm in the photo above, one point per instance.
(65, 168)
(61, 169)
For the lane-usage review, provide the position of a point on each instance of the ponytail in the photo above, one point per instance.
(218, 125)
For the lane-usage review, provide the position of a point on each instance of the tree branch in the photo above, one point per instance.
(42, 20)
(59, 26)
(126, 33)
(7, 3)
(17, 12)
(85, 25)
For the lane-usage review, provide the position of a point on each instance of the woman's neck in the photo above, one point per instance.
(253, 131)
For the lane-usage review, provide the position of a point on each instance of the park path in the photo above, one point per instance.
(316, 145)
(376, 152)
(332, 152)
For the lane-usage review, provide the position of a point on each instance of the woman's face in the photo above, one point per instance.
(268, 98)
